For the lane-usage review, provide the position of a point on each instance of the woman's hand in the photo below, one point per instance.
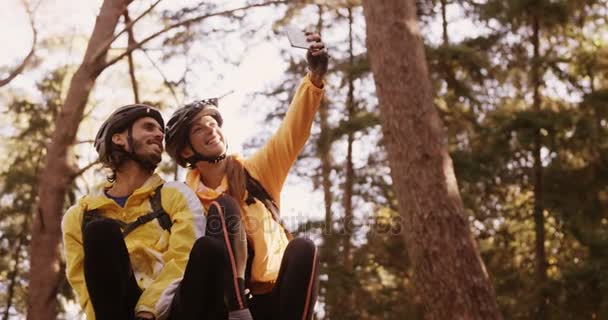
(317, 58)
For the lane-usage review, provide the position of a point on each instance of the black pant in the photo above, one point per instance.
(295, 293)
(112, 287)
(217, 265)
(213, 282)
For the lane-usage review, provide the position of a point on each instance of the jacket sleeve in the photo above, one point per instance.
(186, 213)
(74, 256)
(271, 164)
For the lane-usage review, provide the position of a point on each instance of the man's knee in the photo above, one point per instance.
(102, 231)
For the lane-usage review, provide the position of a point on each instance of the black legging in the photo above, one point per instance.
(295, 293)
(217, 264)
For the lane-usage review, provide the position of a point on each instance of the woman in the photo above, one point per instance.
(257, 256)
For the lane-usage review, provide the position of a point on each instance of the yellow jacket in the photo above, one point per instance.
(270, 165)
(158, 258)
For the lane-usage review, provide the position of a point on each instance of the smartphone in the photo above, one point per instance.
(297, 37)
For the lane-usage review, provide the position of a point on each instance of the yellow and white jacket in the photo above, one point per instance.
(270, 166)
(158, 257)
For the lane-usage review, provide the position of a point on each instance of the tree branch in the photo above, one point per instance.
(128, 26)
(85, 141)
(82, 170)
(30, 55)
(131, 42)
(187, 22)
(165, 80)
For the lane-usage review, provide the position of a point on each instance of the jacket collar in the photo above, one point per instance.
(98, 199)
(193, 180)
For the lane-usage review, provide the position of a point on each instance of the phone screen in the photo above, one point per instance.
(297, 37)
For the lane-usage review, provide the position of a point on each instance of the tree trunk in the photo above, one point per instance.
(54, 178)
(349, 176)
(444, 22)
(324, 147)
(539, 219)
(449, 274)
(14, 273)
(328, 252)
(131, 41)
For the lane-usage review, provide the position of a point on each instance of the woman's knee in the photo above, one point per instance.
(228, 205)
(206, 248)
(224, 216)
(302, 247)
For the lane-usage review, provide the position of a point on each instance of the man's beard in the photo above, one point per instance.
(148, 161)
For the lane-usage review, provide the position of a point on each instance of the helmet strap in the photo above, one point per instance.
(196, 157)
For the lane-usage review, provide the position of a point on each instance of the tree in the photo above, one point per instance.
(449, 274)
(56, 175)
(33, 121)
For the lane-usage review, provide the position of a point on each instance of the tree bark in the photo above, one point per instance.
(444, 22)
(349, 176)
(55, 178)
(131, 42)
(328, 253)
(14, 273)
(539, 219)
(449, 274)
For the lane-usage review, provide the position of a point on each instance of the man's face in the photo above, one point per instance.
(147, 140)
(206, 137)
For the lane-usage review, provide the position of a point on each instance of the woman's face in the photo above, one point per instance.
(206, 136)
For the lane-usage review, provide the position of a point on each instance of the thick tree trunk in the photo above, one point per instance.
(55, 177)
(449, 274)
(539, 219)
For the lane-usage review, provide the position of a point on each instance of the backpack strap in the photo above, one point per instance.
(93, 215)
(255, 190)
(157, 213)
(163, 218)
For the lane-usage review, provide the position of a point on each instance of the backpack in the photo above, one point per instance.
(157, 213)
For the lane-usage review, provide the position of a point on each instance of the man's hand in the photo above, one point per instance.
(317, 58)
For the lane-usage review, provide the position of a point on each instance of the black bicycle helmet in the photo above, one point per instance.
(178, 128)
(118, 121)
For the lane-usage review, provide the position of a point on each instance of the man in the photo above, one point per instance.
(281, 273)
(127, 244)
